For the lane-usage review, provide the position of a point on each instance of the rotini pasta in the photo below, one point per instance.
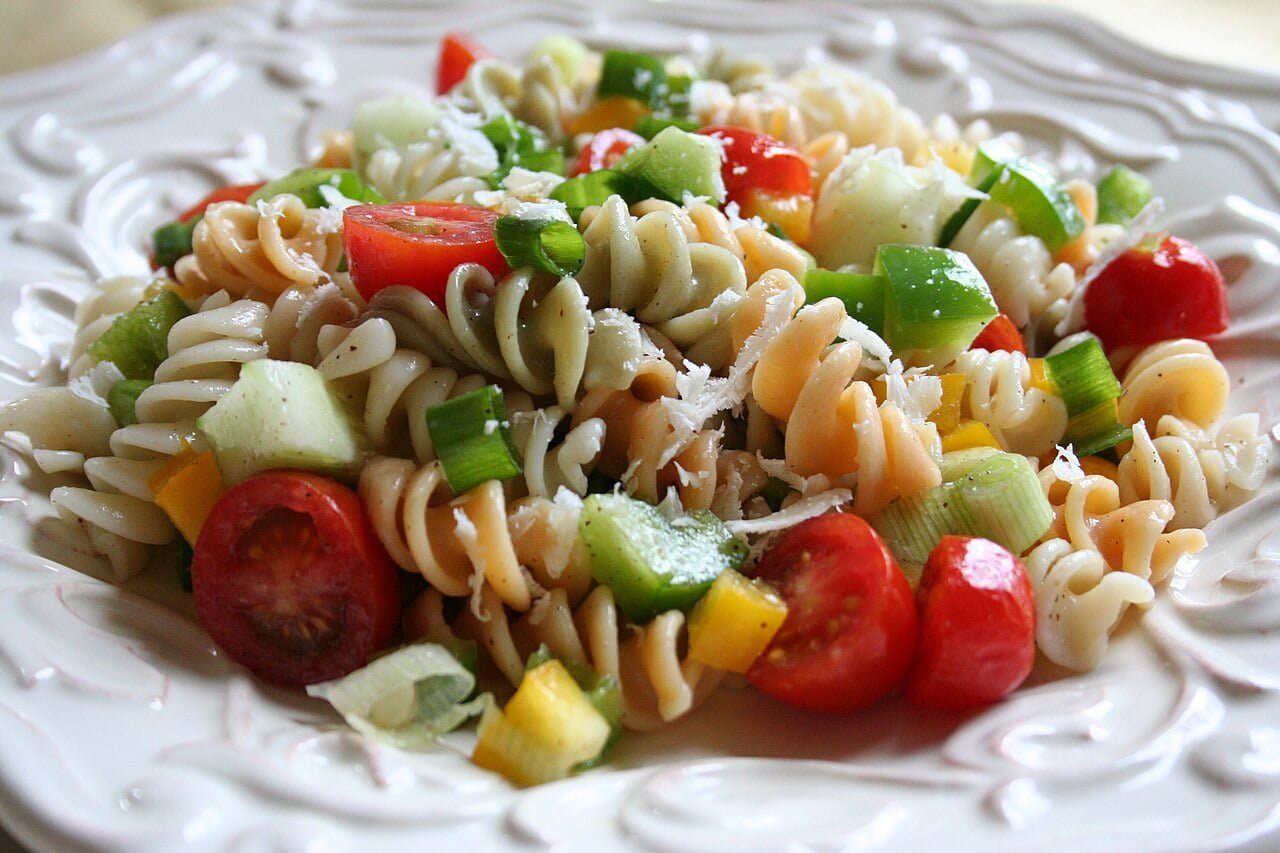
(998, 393)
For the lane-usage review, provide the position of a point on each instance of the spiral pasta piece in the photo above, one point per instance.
(998, 393)
(427, 171)
(263, 249)
(550, 465)
(1181, 378)
(292, 328)
(865, 110)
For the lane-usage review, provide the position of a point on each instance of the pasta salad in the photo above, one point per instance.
(613, 376)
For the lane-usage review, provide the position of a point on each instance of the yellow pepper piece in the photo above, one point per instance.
(1040, 377)
(1097, 465)
(610, 112)
(947, 416)
(547, 728)
(969, 434)
(733, 623)
(186, 488)
(792, 213)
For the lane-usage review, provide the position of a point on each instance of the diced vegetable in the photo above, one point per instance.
(1086, 384)
(608, 113)
(956, 221)
(947, 416)
(1000, 335)
(863, 295)
(472, 438)
(650, 126)
(792, 214)
(604, 149)
(122, 399)
(547, 729)
(594, 188)
(518, 144)
(390, 122)
(651, 564)
(187, 487)
(1122, 192)
(676, 162)
(458, 52)
(966, 435)
(281, 414)
(305, 183)
(547, 245)
(644, 78)
(602, 691)
(171, 242)
(732, 624)
(566, 52)
(936, 301)
(1041, 205)
(138, 340)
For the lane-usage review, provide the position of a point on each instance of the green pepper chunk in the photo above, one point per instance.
(653, 565)
(594, 188)
(173, 241)
(936, 301)
(1041, 205)
(863, 295)
(138, 340)
(1122, 193)
(305, 183)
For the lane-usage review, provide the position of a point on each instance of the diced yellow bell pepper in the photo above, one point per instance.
(791, 213)
(1097, 465)
(733, 623)
(610, 112)
(186, 488)
(1040, 377)
(947, 416)
(969, 434)
(547, 729)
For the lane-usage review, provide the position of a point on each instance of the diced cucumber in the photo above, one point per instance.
(1041, 205)
(651, 564)
(863, 295)
(936, 301)
(390, 122)
(305, 183)
(1122, 193)
(138, 340)
(281, 414)
(122, 400)
(675, 162)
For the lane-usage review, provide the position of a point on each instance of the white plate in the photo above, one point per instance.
(122, 728)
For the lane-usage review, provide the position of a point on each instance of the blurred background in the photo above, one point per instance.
(1239, 33)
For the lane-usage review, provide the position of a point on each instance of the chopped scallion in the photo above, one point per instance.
(1083, 376)
(472, 438)
(547, 245)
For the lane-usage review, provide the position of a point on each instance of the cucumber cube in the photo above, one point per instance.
(675, 162)
(653, 565)
(936, 301)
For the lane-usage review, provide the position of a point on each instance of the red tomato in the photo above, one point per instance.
(417, 244)
(457, 53)
(290, 580)
(851, 624)
(1000, 334)
(604, 149)
(1146, 296)
(237, 192)
(757, 161)
(977, 625)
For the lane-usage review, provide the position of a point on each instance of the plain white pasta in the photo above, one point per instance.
(93, 316)
(426, 171)
(998, 393)
(1019, 268)
(550, 465)
(865, 110)
(292, 328)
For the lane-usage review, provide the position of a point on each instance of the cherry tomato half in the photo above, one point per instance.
(417, 244)
(291, 581)
(235, 192)
(604, 149)
(457, 54)
(1145, 296)
(757, 161)
(977, 625)
(851, 625)
(1000, 334)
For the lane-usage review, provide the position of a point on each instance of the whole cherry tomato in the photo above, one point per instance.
(1000, 334)
(291, 581)
(851, 625)
(977, 625)
(235, 192)
(417, 244)
(458, 52)
(1145, 296)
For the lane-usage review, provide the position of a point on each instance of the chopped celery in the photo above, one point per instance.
(472, 438)
(936, 301)
(1122, 192)
(138, 340)
(122, 399)
(676, 162)
(305, 183)
(547, 245)
(1040, 203)
(652, 564)
(863, 295)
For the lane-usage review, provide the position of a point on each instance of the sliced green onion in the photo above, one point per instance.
(626, 74)
(1083, 376)
(138, 340)
(1122, 193)
(936, 301)
(1096, 430)
(122, 399)
(1042, 206)
(999, 498)
(547, 245)
(406, 698)
(594, 188)
(956, 221)
(472, 438)
(173, 241)
(602, 691)
(958, 463)
(863, 295)
(651, 126)
(305, 183)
